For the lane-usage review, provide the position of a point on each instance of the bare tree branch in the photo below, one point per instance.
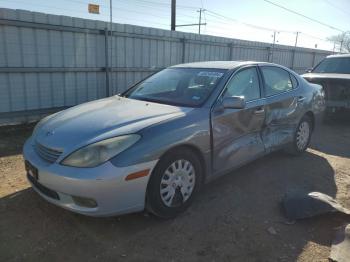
(345, 38)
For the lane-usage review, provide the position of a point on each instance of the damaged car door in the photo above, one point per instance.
(236, 131)
(283, 105)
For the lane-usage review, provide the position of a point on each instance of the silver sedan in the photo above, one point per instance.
(153, 146)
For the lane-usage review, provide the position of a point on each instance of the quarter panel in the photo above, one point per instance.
(283, 113)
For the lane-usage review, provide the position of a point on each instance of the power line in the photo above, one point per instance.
(336, 7)
(215, 15)
(246, 24)
(291, 32)
(141, 5)
(224, 18)
(161, 8)
(315, 37)
(41, 5)
(166, 4)
(81, 12)
(219, 16)
(304, 16)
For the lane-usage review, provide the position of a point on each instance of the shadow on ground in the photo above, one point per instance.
(227, 222)
(338, 143)
(13, 138)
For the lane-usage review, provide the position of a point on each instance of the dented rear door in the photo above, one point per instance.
(283, 107)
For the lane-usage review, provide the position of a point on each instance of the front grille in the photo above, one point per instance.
(48, 154)
(43, 189)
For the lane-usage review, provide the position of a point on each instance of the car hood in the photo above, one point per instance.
(326, 75)
(101, 119)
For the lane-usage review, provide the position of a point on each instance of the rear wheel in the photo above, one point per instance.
(302, 136)
(174, 183)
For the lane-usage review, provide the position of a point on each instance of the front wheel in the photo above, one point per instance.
(302, 136)
(174, 183)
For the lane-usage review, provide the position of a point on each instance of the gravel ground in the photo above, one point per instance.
(235, 218)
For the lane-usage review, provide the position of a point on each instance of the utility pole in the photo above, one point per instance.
(296, 39)
(295, 47)
(110, 14)
(273, 44)
(274, 38)
(173, 15)
(200, 19)
(341, 43)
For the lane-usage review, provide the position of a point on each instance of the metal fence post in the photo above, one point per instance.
(230, 46)
(313, 59)
(293, 58)
(268, 53)
(183, 50)
(106, 62)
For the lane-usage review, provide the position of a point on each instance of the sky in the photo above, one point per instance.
(255, 20)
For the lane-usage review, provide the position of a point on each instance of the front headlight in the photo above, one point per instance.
(100, 152)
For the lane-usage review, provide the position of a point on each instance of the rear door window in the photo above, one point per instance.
(277, 80)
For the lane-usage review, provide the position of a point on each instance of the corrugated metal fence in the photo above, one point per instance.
(49, 62)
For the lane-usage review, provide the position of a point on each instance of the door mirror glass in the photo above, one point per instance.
(234, 102)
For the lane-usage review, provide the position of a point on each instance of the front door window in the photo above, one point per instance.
(244, 83)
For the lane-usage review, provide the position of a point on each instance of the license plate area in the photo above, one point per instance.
(31, 170)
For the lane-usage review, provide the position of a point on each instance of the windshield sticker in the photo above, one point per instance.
(210, 74)
(196, 98)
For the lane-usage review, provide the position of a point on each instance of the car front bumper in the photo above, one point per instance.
(105, 185)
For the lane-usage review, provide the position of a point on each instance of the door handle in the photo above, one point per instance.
(259, 111)
(301, 98)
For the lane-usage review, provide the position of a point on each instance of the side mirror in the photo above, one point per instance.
(234, 102)
(309, 70)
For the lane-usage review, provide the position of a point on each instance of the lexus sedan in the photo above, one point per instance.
(333, 73)
(153, 146)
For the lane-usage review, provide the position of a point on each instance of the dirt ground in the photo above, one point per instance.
(229, 220)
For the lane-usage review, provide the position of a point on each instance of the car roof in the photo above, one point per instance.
(342, 55)
(218, 64)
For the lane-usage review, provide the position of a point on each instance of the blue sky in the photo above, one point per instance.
(156, 13)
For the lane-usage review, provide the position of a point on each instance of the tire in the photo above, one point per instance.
(302, 137)
(166, 176)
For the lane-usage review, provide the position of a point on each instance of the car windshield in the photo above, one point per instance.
(177, 86)
(339, 65)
